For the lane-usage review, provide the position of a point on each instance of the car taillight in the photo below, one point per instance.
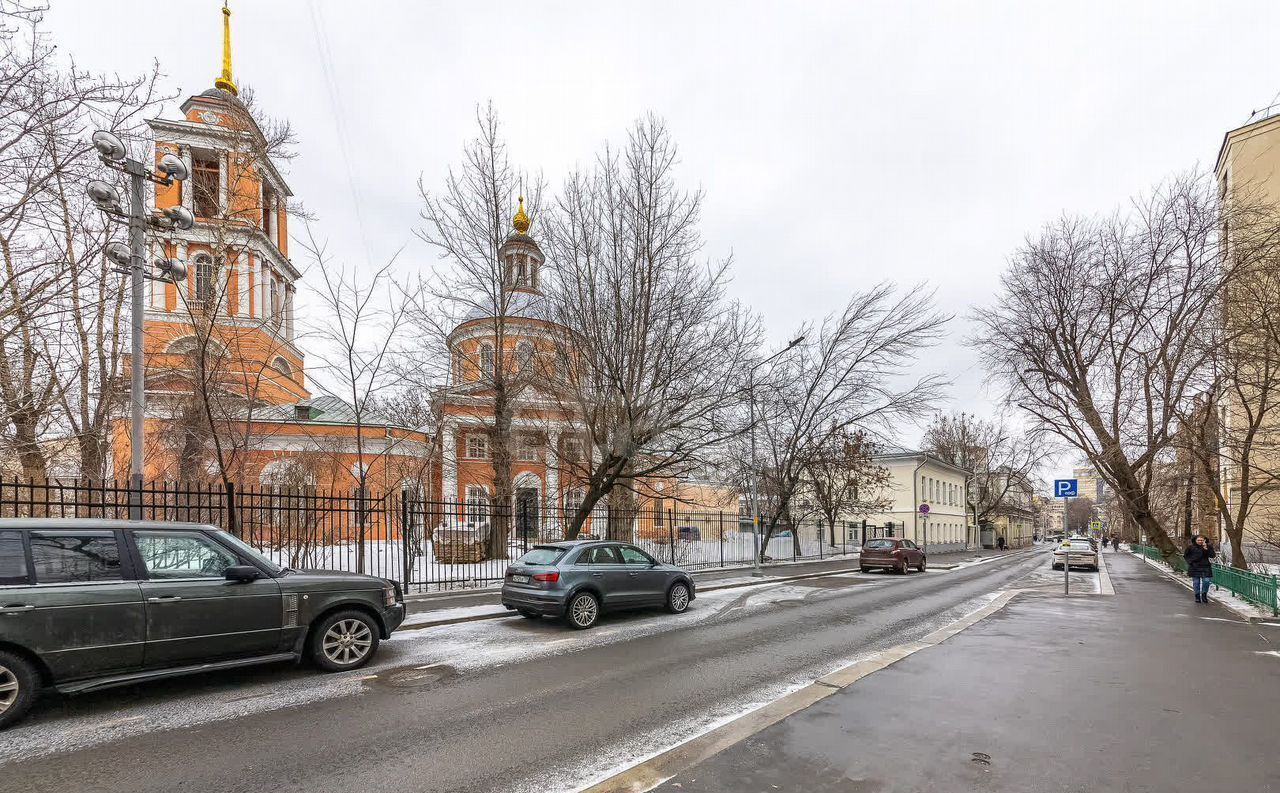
(549, 578)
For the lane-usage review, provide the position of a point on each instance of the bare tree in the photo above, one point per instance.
(468, 221)
(59, 300)
(1002, 458)
(851, 376)
(844, 479)
(1099, 334)
(651, 352)
(358, 328)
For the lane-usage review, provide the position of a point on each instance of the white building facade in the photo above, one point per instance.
(919, 478)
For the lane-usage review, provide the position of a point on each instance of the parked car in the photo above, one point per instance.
(89, 604)
(1076, 552)
(580, 579)
(688, 533)
(892, 554)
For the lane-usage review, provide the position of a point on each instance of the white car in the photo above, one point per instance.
(1076, 553)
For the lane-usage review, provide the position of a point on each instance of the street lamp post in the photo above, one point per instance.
(132, 261)
(756, 571)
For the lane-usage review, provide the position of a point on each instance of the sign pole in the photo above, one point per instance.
(1066, 538)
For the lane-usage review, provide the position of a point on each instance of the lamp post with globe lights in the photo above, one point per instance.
(131, 260)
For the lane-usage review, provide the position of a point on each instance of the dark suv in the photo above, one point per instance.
(88, 604)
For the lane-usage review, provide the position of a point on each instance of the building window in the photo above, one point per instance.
(477, 445)
(573, 449)
(477, 505)
(486, 358)
(282, 366)
(457, 366)
(206, 184)
(573, 502)
(659, 511)
(205, 278)
(527, 448)
(524, 356)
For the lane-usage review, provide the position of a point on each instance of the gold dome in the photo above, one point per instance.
(521, 220)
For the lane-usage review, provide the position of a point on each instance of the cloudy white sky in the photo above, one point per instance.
(838, 143)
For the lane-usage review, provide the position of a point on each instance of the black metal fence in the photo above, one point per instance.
(426, 545)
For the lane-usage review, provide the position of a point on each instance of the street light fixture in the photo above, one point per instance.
(108, 146)
(756, 571)
(131, 259)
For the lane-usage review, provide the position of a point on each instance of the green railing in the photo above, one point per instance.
(1262, 590)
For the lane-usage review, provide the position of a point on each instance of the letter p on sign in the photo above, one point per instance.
(1064, 488)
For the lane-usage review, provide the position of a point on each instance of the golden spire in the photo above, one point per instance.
(521, 220)
(225, 82)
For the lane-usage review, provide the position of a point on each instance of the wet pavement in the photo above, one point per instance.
(1141, 691)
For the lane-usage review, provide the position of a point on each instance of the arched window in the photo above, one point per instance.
(486, 359)
(284, 472)
(524, 356)
(457, 366)
(190, 345)
(205, 278)
(282, 366)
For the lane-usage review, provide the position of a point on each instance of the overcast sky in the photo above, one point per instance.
(838, 143)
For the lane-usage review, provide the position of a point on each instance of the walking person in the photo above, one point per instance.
(1199, 556)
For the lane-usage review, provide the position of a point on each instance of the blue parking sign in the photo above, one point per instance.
(1064, 488)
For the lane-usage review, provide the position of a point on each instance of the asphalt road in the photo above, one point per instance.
(509, 705)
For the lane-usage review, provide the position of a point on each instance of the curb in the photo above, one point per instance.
(649, 773)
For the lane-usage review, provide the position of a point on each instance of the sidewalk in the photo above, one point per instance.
(1142, 691)
(445, 608)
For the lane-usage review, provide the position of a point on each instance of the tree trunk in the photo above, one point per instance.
(500, 440)
(622, 510)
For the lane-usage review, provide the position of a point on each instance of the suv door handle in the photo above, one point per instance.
(14, 608)
(164, 599)
(597, 575)
(633, 575)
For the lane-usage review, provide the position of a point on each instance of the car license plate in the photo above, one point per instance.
(520, 579)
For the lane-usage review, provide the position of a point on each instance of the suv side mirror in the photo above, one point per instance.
(242, 572)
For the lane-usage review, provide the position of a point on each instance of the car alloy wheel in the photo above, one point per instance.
(9, 689)
(347, 642)
(903, 568)
(922, 565)
(678, 599)
(584, 610)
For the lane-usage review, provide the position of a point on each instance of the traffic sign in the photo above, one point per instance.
(924, 509)
(1065, 488)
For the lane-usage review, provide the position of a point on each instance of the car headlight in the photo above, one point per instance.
(389, 595)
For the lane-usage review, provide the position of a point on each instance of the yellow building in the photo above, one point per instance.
(1248, 180)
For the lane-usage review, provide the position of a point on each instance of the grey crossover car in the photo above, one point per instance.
(88, 604)
(580, 579)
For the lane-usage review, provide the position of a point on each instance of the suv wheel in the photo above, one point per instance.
(18, 684)
(903, 569)
(922, 564)
(583, 611)
(345, 640)
(678, 599)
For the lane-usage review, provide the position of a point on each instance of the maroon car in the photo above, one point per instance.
(891, 554)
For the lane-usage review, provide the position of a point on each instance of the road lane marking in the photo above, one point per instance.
(653, 771)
